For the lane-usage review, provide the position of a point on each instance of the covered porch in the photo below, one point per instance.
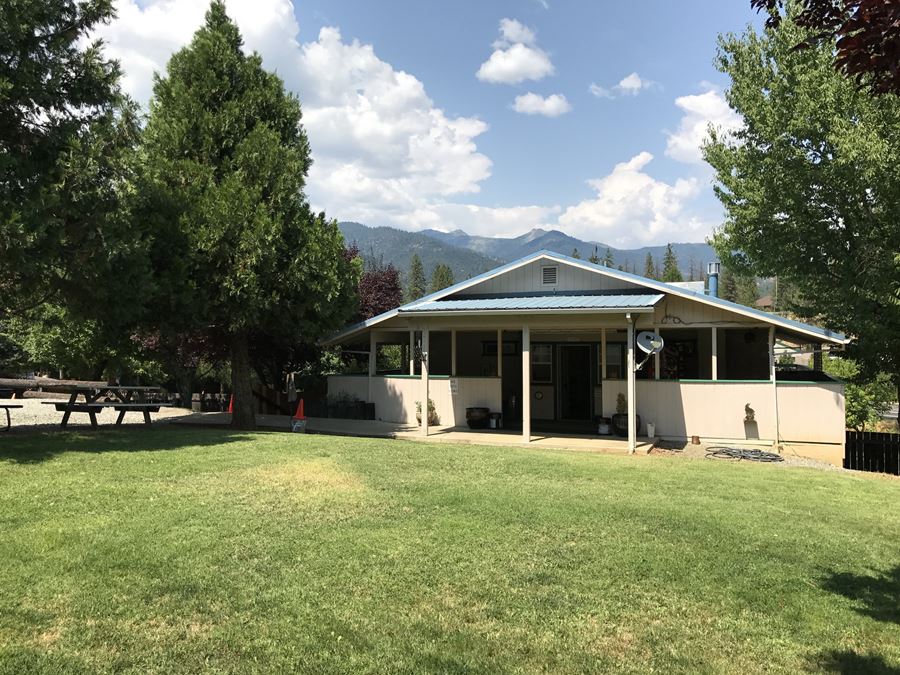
(556, 375)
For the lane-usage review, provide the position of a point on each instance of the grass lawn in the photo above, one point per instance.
(172, 550)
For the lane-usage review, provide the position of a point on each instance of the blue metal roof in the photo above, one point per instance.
(619, 302)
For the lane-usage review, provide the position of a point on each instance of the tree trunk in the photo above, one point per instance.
(243, 416)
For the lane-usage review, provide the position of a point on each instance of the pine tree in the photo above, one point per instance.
(747, 291)
(670, 270)
(441, 277)
(650, 271)
(226, 163)
(727, 285)
(415, 280)
(608, 259)
(576, 254)
(595, 258)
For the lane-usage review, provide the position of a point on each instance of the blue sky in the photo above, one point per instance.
(405, 133)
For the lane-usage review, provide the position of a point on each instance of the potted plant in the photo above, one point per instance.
(433, 418)
(620, 419)
(603, 426)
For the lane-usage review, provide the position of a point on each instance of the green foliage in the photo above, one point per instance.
(595, 257)
(866, 398)
(670, 270)
(650, 270)
(226, 162)
(576, 254)
(66, 140)
(441, 277)
(811, 188)
(415, 280)
(608, 258)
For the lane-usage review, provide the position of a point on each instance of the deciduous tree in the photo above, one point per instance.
(379, 289)
(865, 35)
(811, 188)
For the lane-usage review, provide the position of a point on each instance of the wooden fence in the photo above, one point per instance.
(870, 451)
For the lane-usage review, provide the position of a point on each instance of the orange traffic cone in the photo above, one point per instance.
(298, 421)
(299, 414)
(231, 404)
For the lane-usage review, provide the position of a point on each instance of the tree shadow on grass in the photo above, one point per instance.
(876, 596)
(41, 446)
(851, 663)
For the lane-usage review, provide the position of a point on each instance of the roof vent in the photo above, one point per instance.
(548, 275)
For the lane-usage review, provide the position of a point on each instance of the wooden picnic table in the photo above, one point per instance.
(121, 398)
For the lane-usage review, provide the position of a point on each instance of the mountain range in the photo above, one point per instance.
(468, 255)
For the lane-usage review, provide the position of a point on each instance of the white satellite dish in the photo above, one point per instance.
(650, 343)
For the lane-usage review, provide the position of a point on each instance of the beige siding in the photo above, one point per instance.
(528, 279)
(673, 311)
(811, 413)
(395, 397)
(808, 413)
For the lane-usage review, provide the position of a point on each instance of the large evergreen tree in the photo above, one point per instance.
(415, 280)
(670, 270)
(67, 136)
(226, 165)
(811, 188)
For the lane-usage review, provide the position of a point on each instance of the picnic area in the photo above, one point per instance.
(172, 549)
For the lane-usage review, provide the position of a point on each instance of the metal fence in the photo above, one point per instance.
(871, 451)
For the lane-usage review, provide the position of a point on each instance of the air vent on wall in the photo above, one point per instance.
(548, 275)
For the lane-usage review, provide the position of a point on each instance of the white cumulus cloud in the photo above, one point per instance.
(534, 104)
(630, 85)
(631, 207)
(516, 57)
(700, 111)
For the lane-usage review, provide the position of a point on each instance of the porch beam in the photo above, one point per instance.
(656, 358)
(425, 368)
(526, 384)
(632, 407)
(499, 352)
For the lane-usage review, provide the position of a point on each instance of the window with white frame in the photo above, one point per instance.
(542, 364)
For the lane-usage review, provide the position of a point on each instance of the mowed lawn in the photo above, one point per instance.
(172, 550)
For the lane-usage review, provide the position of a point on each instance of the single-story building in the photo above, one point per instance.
(549, 342)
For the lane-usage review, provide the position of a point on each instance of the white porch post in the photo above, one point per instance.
(774, 379)
(373, 347)
(499, 352)
(453, 353)
(412, 352)
(602, 354)
(526, 384)
(425, 369)
(715, 353)
(656, 358)
(632, 407)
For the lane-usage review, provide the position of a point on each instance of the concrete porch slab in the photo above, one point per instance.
(439, 434)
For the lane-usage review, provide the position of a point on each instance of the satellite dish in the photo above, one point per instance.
(651, 343)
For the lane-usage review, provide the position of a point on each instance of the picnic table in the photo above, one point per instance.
(120, 398)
